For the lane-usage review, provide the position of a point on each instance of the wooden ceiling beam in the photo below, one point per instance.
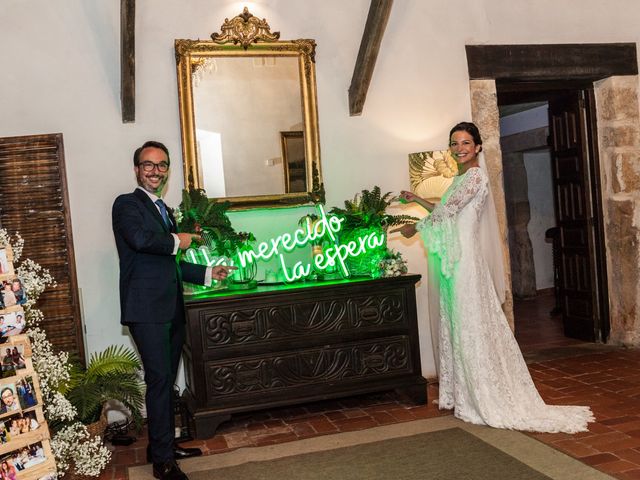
(377, 18)
(128, 60)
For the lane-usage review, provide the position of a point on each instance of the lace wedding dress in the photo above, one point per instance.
(483, 375)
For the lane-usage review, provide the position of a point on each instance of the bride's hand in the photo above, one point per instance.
(407, 197)
(407, 231)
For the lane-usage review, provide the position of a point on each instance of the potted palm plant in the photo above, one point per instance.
(113, 374)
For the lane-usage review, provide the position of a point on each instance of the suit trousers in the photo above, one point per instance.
(160, 348)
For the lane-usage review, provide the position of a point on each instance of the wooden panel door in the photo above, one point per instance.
(34, 202)
(579, 295)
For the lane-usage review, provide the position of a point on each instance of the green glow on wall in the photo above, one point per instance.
(311, 232)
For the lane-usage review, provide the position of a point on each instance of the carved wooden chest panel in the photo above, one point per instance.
(270, 347)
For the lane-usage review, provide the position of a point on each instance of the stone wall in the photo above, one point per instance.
(516, 191)
(619, 151)
(484, 112)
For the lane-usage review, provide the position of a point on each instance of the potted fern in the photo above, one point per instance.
(113, 374)
(367, 212)
(200, 214)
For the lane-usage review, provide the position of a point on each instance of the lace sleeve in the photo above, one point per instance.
(438, 230)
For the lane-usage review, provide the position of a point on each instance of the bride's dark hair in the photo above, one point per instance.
(471, 129)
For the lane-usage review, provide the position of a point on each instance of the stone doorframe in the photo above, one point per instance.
(484, 113)
(618, 118)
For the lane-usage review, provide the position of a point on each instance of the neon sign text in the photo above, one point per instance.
(324, 228)
(302, 236)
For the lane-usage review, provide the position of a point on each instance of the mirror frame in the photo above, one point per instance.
(247, 36)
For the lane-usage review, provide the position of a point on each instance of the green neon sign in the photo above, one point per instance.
(203, 256)
(326, 228)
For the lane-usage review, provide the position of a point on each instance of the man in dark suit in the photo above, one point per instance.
(151, 302)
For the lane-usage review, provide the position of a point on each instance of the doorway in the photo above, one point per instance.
(562, 76)
(554, 209)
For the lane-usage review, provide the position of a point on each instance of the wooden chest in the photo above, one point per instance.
(276, 346)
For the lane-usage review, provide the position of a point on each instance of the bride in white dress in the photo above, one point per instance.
(483, 376)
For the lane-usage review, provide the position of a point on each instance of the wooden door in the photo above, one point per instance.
(581, 278)
(34, 202)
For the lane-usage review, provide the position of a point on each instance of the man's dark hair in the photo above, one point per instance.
(150, 143)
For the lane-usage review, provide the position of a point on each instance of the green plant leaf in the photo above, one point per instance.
(113, 374)
(368, 209)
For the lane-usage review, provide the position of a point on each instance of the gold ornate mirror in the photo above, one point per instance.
(249, 116)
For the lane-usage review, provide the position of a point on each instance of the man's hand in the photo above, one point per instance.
(220, 272)
(407, 231)
(187, 238)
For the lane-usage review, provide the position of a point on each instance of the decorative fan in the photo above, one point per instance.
(431, 173)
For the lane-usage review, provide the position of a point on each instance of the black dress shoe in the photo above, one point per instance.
(168, 471)
(180, 453)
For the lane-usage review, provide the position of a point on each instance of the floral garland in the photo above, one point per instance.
(71, 443)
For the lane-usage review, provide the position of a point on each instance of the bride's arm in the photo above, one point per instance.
(472, 184)
(426, 204)
(466, 191)
(406, 197)
(439, 230)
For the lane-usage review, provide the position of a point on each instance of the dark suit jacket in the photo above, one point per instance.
(150, 277)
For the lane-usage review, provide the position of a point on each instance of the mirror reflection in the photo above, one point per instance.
(263, 93)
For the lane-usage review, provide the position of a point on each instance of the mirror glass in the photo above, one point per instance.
(249, 118)
(262, 93)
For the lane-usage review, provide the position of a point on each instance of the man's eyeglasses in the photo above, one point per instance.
(149, 166)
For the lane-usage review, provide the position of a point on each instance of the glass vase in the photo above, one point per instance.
(366, 264)
(244, 277)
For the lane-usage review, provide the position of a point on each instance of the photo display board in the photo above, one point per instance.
(25, 451)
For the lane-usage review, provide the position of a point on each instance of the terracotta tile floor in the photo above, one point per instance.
(566, 372)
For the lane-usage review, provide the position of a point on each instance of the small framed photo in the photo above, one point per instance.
(22, 459)
(6, 266)
(11, 322)
(9, 401)
(26, 391)
(17, 394)
(13, 427)
(21, 341)
(12, 292)
(12, 359)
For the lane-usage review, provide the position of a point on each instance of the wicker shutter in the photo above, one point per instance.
(34, 202)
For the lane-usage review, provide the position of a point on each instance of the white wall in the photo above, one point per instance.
(540, 190)
(540, 183)
(537, 117)
(60, 73)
